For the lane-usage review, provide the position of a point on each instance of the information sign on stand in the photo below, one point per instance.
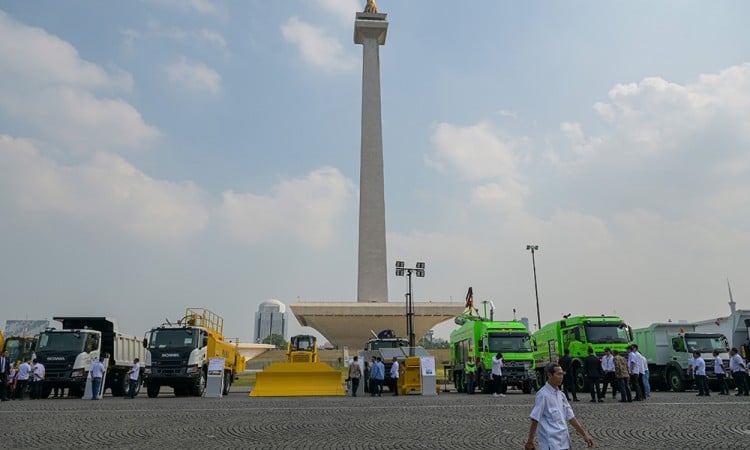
(215, 378)
(429, 386)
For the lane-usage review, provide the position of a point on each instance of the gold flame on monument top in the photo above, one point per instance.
(371, 7)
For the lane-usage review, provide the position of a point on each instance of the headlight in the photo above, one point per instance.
(76, 373)
(147, 370)
(192, 369)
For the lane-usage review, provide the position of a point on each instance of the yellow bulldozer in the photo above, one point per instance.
(301, 375)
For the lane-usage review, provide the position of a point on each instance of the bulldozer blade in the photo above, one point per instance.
(298, 379)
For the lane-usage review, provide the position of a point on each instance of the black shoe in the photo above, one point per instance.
(576, 400)
(737, 395)
(601, 400)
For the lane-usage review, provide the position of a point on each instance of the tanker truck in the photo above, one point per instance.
(178, 354)
(67, 354)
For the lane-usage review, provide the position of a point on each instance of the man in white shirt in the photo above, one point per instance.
(133, 376)
(738, 367)
(608, 371)
(550, 414)
(97, 375)
(394, 375)
(37, 377)
(634, 368)
(22, 378)
(721, 376)
(698, 367)
(645, 376)
(497, 375)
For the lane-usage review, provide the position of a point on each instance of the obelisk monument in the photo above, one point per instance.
(370, 28)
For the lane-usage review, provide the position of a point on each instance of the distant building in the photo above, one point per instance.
(271, 318)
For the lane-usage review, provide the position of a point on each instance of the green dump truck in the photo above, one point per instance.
(578, 334)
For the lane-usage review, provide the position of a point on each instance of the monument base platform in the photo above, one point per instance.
(349, 323)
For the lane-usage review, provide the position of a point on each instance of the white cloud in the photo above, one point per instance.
(105, 192)
(316, 47)
(48, 87)
(194, 76)
(304, 210)
(507, 196)
(202, 37)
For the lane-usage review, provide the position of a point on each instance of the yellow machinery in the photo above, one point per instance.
(301, 375)
(178, 354)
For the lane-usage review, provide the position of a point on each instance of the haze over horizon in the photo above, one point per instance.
(164, 154)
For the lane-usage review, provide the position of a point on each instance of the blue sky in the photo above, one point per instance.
(161, 154)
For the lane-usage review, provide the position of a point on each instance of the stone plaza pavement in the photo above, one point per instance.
(450, 420)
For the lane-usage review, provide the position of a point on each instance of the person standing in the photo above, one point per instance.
(738, 368)
(569, 381)
(497, 375)
(593, 370)
(551, 412)
(394, 375)
(355, 373)
(608, 370)
(622, 375)
(134, 375)
(22, 378)
(721, 376)
(378, 376)
(4, 375)
(698, 367)
(645, 375)
(470, 372)
(634, 367)
(38, 374)
(97, 374)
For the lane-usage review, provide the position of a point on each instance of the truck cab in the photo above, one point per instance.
(175, 357)
(67, 356)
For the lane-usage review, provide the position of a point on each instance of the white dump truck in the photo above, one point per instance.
(668, 347)
(67, 354)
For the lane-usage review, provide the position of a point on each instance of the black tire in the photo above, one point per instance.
(152, 390)
(579, 379)
(503, 387)
(458, 381)
(675, 380)
(526, 387)
(181, 391)
(227, 383)
(76, 391)
(539, 382)
(197, 389)
(486, 385)
(119, 385)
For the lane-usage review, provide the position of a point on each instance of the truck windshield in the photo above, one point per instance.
(18, 348)
(63, 341)
(172, 338)
(607, 334)
(705, 344)
(509, 343)
(376, 345)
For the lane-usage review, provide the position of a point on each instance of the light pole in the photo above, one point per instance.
(418, 271)
(533, 249)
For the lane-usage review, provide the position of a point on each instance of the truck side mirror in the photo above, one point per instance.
(145, 343)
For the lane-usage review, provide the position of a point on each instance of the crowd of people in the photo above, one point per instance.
(19, 378)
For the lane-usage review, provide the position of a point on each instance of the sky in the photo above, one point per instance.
(163, 154)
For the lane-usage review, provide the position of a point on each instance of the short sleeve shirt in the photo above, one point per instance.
(497, 366)
(718, 365)
(700, 366)
(552, 411)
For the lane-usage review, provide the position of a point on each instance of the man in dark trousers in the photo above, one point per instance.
(569, 382)
(593, 370)
(4, 372)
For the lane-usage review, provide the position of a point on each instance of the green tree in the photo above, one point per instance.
(276, 340)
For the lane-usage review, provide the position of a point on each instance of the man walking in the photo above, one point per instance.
(634, 365)
(592, 369)
(622, 375)
(22, 378)
(38, 374)
(569, 382)
(355, 373)
(550, 414)
(738, 368)
(721, 376)
(378, 375)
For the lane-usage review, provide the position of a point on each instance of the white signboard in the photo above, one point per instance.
(216, 367)
(215, 380)
(428, 365)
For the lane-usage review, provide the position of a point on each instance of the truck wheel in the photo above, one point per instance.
(119, 385)
(526, 387)
(152, 390)
(539, 382)
(675, 381)
(76, 391)
(579, 379)
(485, 384)
(197, 389)
(227, 383)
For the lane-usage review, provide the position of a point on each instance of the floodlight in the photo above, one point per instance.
(420, 273)
(400, 264)
(399, 272)
(420, 265)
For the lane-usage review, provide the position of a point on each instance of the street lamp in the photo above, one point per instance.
(418, 271)
(534, 248)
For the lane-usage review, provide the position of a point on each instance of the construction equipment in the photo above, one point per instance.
(178, 354)
(301, 375)
(67, 354)
(21, 337)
